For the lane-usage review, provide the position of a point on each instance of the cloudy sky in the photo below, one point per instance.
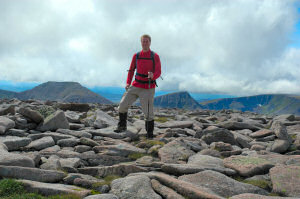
(238, 47)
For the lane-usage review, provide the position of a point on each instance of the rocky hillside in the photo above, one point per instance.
(7, 94)
(263, 104)
(176, 100)
(59, 91)
(68, 148)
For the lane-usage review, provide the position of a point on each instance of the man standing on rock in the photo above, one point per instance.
(148, 69)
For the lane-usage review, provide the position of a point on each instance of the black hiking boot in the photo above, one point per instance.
(149, 125)
(122, 125)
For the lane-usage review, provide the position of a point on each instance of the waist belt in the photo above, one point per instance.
(141, 75)
(145, 82)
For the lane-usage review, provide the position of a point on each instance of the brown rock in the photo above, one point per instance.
(164, 191)
(286, 180)
(248, 166)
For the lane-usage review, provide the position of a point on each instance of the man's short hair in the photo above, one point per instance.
(147, 36)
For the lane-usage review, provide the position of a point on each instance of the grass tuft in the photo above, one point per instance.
(161, 119)
(259, 183)
(135, 156)
(10, 186)
(107, 181)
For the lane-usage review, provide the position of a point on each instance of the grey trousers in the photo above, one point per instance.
(146, 97)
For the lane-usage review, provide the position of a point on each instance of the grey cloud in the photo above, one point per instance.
(236, 47)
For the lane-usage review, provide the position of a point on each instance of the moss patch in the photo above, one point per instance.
(12, 189)
(249, 161)
(107, 181)
(10, 186)
(264, 184)
(46, 111)
(135, 156)
(161, 119)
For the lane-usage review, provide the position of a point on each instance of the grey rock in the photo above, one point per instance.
(206, 161)
(221, 184)
(102, 196)
(70, 142)
(283, 117)
(52, 163)
(50, 150)
(31, 114)
(257, 196)
(31, 174)
(104, 120)
(176, 124)
(286, 180)
(122, 149)
(17, 132)
(266, 139)
(280, 146)
(82, 148)
(262, 133)
(184, 169)
(5, 110)
(238, 126)
(221, 146)
(14, 143)
(53, 189)
(80, 107)
(257, 147)
(165, 191)
(74, 126)
(55, 121)
(55, 136)
(175, 151)
(134, 187)
(88, 142)
(215, 134)
(5, 124)
(74, 117)
(78, 134)
(72, 176)
(184, 188)
(281, 131)
(70, 162)
(11, 159)
(242, 140)
(210, 152)
(248, 166)
(40, 144)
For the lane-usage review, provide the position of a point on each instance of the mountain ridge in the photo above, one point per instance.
(58, 91)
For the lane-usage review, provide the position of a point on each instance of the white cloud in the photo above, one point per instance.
(237, 47)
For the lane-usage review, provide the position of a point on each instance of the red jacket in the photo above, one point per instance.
(143, 67)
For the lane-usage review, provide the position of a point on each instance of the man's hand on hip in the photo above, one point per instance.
(150, 75)
(127, 86)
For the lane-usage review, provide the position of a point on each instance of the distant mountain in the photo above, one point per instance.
(273, 104)
(61, 91)
(176, 100)
(7, 94)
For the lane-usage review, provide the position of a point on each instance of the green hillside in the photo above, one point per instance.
(266, 104)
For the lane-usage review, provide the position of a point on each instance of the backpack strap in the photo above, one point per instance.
(153, 61)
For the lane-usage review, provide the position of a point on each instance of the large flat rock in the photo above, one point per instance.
(34, 174)
(256, 196)
(286, 180)
(248, 166)
(175, 151)
(176, 124)
(221, 184)
(134, 187)
(48, 189)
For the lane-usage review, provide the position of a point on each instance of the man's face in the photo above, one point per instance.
(145, 43)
